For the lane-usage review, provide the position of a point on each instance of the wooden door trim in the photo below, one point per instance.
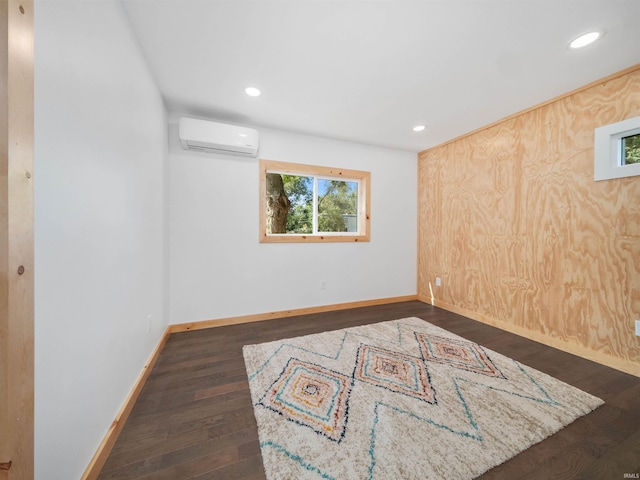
(16, 240)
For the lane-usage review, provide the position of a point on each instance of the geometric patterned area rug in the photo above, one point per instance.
(398, 400)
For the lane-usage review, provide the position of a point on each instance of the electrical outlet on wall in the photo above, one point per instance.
(323, 284)
(438, 282)
(638, 328)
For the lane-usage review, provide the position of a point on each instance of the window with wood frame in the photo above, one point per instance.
(309, 203)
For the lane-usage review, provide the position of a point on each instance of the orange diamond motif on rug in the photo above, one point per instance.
(311, 396)
(394, 371)
(457, 353)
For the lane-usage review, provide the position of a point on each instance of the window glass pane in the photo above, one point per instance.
(631, 149)
(299, 191)
(289, 204)
(337, 206)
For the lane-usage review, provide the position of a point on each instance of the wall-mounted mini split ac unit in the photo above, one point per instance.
(213, 137)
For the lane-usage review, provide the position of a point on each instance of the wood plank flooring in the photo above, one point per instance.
(194, 419)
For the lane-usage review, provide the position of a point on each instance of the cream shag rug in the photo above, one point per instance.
(398, 400)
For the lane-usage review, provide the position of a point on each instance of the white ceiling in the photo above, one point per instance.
(367, 71)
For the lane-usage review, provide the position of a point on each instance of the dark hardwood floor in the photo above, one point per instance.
(194, 419)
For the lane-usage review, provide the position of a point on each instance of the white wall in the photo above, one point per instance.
(100, 154)
(106, 258)
(218, 267)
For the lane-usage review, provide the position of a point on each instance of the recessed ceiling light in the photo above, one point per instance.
(584, 40)
(252, 91)
(419, 128)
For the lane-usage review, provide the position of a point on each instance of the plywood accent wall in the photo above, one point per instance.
(523, 238)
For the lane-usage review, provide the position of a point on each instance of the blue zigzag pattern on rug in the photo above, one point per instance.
(297, 459)
(308, 393)
(377, 412)
(477, 436)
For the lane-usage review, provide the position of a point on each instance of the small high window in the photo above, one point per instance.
(308, 203)
(617, 150)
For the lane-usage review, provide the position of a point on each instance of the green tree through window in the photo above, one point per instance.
(307, 203)
(299, 191)
(631, 149)
(337, 199)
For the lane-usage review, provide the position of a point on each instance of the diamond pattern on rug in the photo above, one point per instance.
(394, 371)
(457, 353)
(312, 396)
(371, 392)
